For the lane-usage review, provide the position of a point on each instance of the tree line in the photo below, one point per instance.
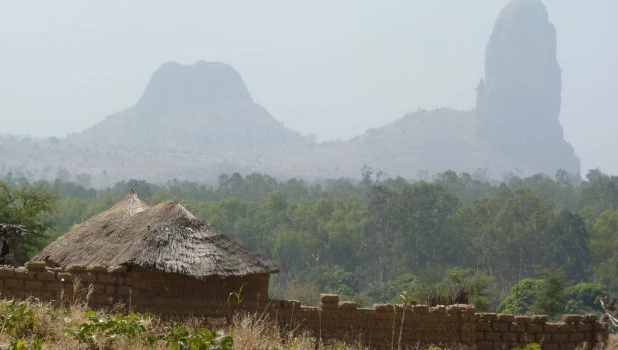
(371, 240)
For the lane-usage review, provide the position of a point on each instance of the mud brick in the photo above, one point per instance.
(539, 318)
(500, 326)
(493, 336)
(516, 327)
(105, 278)
(96, 269)
(117, 269)
(583, 327)
(577, 337)
(33, 286)
(76, 268)
(46, 275)
(329, 298)
(506, 318)
(65, 277)
(484, 345)
(23, 273)
(523, 319)
(14, 285)
(483, 326)
(487, 317)
(560, 338)
(123, 290)
(551, 327)
(6, 271)
(35, 265)
(571, 318)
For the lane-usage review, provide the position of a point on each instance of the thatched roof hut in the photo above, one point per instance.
(165, 237)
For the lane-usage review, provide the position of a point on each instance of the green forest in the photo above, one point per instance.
(522, 245)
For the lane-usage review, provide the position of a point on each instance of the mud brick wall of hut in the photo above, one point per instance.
(380, 327)
(139, 289)
(155, 291)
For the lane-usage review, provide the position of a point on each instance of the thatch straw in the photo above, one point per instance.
(165, 237)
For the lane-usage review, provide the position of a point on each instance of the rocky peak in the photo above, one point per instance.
(518, 102)
(189, 88)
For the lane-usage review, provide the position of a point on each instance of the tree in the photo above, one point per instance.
(522, 296)
(551, 298)
(566, 246)
(581, 298)
(420, 213)
(30, 206)
(604, 248)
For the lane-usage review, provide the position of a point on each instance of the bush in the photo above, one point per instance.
(581, 298)
(521, 297)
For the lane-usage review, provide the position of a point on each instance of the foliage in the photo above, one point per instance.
(23, 344)
(581, 298)
(531, 346)
(371, 240)
(551, 298)
(111, 327)
(17, 318)
(447, 295)
(29, 205)
(522, 296)
(178, 337)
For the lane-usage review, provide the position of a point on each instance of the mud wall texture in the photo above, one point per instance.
(384, 326)
(141, 290)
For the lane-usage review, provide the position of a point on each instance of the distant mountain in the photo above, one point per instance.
(197, 121)
(203, 107)
(518, 102)
(420, 142)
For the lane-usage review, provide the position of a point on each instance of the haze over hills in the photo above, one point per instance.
(196, 121)
(204, 107)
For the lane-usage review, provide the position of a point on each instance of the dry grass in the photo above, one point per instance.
(34, 321)
(612, 342)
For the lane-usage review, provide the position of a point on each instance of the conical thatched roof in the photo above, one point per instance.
(165, 237)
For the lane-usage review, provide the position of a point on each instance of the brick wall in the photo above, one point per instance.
(139, 289)
(380, 327)
(499, 331)
(155, 291)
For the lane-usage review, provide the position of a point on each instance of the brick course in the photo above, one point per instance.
(380, 327)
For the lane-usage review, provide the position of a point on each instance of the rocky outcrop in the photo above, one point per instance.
(204, 107)
(518, 102)
(190, 88)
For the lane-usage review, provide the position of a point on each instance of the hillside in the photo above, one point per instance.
(197, 121)
(201, 107)
(423, 141)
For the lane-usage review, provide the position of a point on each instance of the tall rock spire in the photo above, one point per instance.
(518, 102)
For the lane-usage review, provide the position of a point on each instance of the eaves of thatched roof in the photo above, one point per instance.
(165, 237)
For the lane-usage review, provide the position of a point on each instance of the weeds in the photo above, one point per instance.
(23, 344)
(32, 325)
(111, 328)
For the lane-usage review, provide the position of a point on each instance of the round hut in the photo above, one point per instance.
(174, 262)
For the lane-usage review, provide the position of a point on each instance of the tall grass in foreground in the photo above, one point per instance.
(36, 325)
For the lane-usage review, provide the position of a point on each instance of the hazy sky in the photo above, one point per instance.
(331, 68)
